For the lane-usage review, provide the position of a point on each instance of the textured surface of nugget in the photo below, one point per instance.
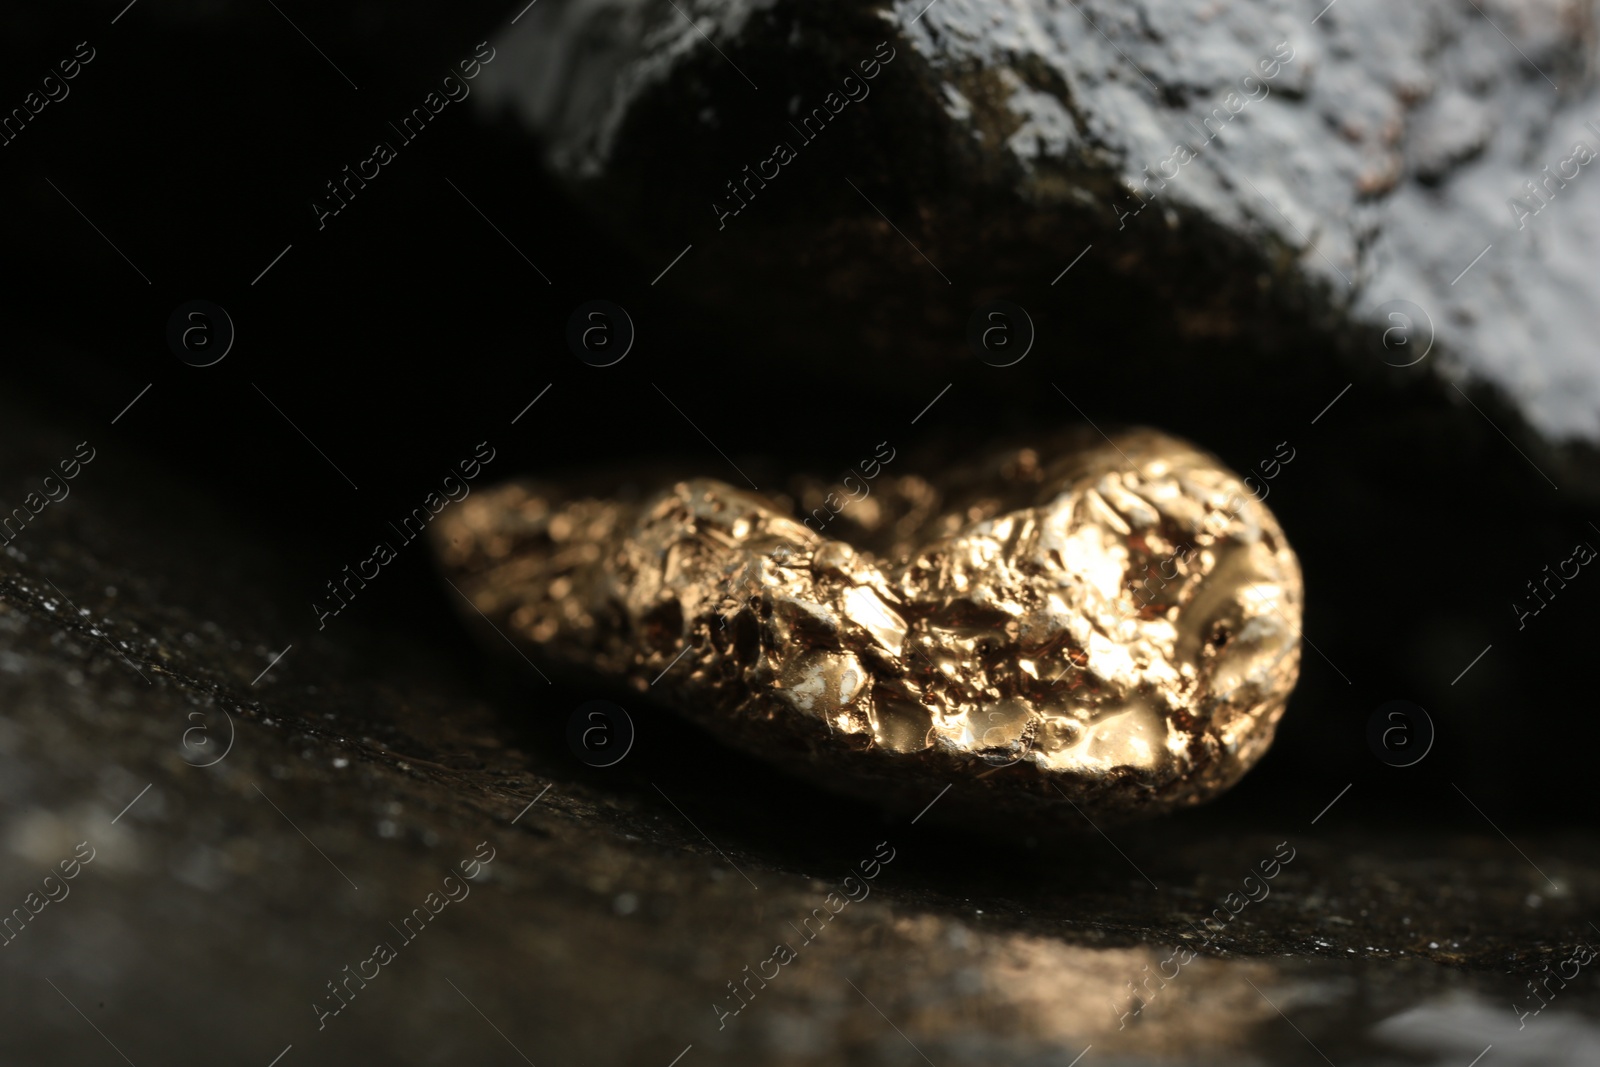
(1114, 624)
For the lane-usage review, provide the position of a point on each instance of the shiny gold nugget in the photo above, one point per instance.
(1116, 624)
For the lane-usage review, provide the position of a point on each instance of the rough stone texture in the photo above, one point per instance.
(1374, 164)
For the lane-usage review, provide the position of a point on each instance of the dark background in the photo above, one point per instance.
(408, 330)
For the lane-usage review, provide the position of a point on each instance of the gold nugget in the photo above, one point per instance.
(1115, 623)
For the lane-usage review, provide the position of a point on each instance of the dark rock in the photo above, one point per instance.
(1250, 172)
